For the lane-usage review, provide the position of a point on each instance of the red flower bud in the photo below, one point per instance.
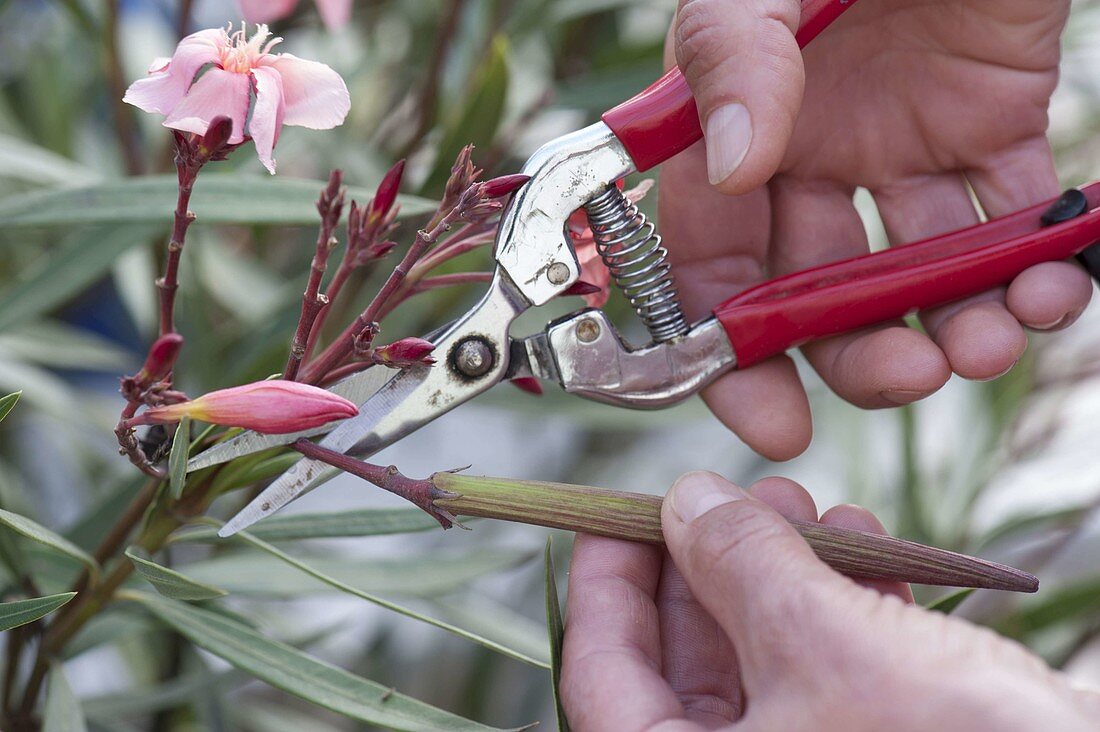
(217, 135)
(271, 407)
(529, 384)
(386, 193)
(405, 352)
(378, 249)
(582, 288)
(160, 360)
(502, 186)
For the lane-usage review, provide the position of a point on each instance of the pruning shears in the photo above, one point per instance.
(584, 354)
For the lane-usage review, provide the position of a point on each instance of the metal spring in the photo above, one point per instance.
(631, 248)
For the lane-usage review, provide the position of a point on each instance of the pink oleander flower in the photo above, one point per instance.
(271, 407)
(214, 73)
(335, 14)
(404, 353)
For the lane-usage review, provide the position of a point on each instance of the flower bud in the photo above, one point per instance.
(160, 360)
(386, 193)
(405, 352)
(502, 186)
(271, 407)
(217, 135)
(529, 384)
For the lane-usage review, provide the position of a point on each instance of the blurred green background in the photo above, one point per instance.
(1009, 470)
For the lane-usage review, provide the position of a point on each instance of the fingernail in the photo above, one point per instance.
(729, 134)
(994, 377)
(1060, 323)
(901, 397)
(696, 493)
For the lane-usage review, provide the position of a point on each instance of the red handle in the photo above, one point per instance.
(662, 120)
(770, 318)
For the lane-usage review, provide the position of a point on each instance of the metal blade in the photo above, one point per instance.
(404, 404)
(357, 388)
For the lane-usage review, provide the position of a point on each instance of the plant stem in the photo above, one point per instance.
(169, 283)
(330, 205)
(343, 346)
(637, 517)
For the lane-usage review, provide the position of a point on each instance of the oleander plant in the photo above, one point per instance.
(209, 212)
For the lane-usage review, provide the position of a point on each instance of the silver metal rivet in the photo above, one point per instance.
(558, 273)
(588, 330)
(473, 357)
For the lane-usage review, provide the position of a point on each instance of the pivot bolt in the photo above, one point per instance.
(558, 273)
(588, 330)
(473, 357)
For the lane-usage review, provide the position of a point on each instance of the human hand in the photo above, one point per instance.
(913, 100)
(740, 624)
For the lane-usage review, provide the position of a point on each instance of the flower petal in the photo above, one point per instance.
(266, 11)
(168, 82)
(267, 115)
(315, 95)
(335, 14)
(217, 93)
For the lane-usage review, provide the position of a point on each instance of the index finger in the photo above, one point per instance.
(611, 659)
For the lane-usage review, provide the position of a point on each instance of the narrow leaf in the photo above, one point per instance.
(63, 712)
(1081, 601)
(392, 606)
(171, 583)
(60, 276)
(479, 117)
(177, 459)
(555, 628)
(7, 403)
(23, 160)
(21, 612)
(295, 672)
(949, 602)
(38, 533)
(219, 198)
(364, 522)
(251, 573)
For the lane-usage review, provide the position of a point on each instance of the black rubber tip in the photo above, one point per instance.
(1070, 205)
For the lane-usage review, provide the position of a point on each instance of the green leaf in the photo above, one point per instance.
(38, 533)
(54, 344)
(62, 712)
(171, 583)
(21, 612)
(59, 277)
(264, 576)
(1081, 601)
(24, 161)
(172, 693)
(177, 459)
(950, 601)
(1061, 518)
(8, 403)
(555, 628)
(364, 522)
(500, 624)
(492, 645)
(219, 198)
(295, 672)
(480, 116)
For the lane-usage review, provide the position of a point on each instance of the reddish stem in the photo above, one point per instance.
(421, 493)
(344, 346)
(330, 205)
(169, 283)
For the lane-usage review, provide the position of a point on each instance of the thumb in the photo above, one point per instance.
(744, 68)
(752, 572)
